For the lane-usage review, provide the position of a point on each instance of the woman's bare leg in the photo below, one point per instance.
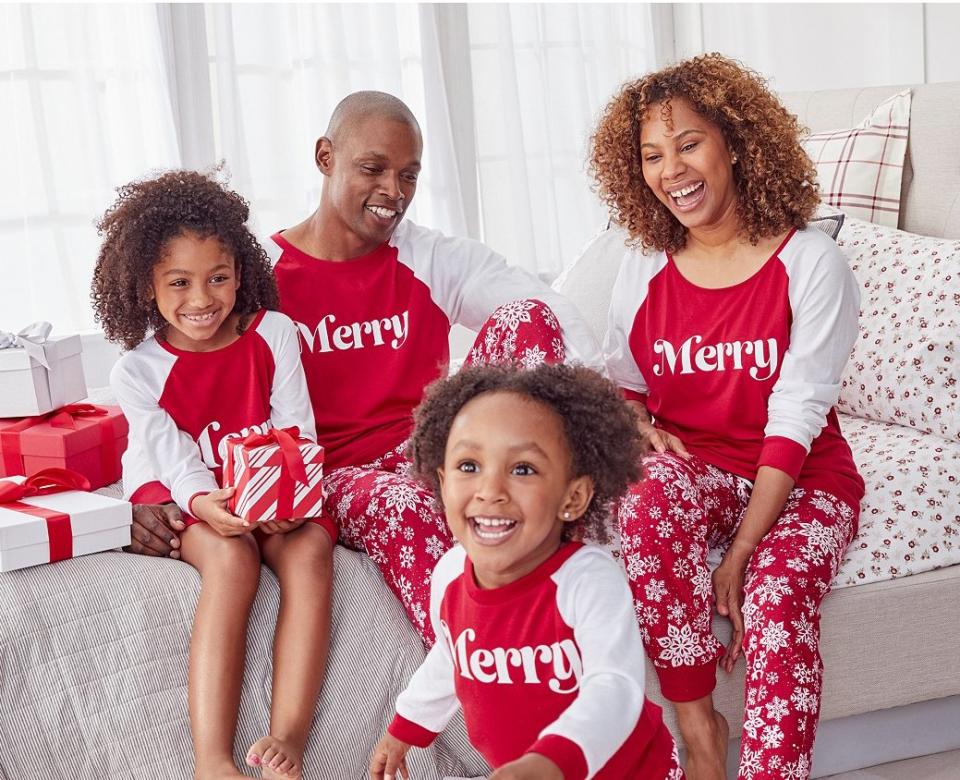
(303, 562)
(705, 733)
(230, 570)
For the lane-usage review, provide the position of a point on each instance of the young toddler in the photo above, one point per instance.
(182, 283)
(536, 636)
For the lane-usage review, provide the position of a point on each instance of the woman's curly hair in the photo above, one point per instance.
(600, 428)
(136, 229)
(775, 180)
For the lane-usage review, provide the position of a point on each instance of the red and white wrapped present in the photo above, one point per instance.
(50, 517)
(81, 437)
(278, 475)
(37, 373)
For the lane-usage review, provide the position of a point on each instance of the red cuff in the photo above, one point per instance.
(784, 454)
(687, 683)
(190, 501)
(565, 753)
(633, 395)
(410, 732)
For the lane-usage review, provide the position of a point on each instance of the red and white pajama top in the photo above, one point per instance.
(551, 664)
(747, 375)
(183, 406)
(374, 329)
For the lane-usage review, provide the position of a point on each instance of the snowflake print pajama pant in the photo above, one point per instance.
(667, 522)
(391, 516)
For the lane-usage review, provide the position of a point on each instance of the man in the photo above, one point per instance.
(374, 298)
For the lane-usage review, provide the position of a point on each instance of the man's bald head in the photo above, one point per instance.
(357, 107)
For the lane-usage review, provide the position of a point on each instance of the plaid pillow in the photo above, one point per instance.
(860, 169)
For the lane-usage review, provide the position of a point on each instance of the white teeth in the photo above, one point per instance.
(199, 317)
(493, 521)
(484, 527)
(382, 212)
(686, 190)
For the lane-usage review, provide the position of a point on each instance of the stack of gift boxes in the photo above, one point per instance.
(54, 450)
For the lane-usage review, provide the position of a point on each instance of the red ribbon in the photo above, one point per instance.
(292, 467)
(59, 529)
(64, 417)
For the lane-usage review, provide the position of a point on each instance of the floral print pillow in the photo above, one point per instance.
(905, 367)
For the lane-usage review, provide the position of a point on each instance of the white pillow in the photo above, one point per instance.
(860, 169)
(905, 367)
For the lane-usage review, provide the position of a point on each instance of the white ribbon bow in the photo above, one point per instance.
(31, 339)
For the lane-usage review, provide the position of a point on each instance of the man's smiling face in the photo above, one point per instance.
(372, 169)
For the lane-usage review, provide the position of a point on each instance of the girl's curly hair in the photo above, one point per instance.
(600, 428)
(775, 180)
(136, 229)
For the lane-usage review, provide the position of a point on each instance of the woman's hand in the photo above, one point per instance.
(281, 526)
(728, 593)
(531, 766)
(212, 509)
(660, 441)
(389, 758)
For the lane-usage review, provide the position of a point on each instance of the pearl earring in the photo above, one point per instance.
(566, 515)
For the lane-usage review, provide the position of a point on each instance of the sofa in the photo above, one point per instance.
(891, 626)
(93, 651)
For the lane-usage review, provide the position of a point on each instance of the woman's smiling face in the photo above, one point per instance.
(687, 164)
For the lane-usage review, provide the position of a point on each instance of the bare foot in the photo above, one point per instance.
(707, 750)
(219, 771)
(277, 759)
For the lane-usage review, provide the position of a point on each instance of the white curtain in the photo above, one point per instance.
(278, 71)
(541, 74)
(85, 108)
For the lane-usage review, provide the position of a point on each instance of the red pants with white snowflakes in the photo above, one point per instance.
(391, 516)
(668, 521)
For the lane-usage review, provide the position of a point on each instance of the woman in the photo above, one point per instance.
(729, 335)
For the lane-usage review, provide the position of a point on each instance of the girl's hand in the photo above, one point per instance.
(728, 592)
(281, 526)
(212, 509)
(389, 759)
(660, 441)
(531, 766)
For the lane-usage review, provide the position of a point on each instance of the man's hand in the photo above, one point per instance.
(389, 759)
(212, 509)
(156, 530)
(531, 766)
(281, 526)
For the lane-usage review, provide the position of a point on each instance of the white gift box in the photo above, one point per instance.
(27, 388)
(95, 523)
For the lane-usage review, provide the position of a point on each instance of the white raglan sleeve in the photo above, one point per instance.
(825, 307)
(289, 397)
(621, 366)
(172, 455)
(430, 699)
(469, 281)
(593, 598)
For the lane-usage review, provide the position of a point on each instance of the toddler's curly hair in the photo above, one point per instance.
(775, 179)
(136, 229)
(600, 428)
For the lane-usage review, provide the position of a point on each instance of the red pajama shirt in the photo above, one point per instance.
(373, 334)
(183, 407)
(746, 376)
(551, 664)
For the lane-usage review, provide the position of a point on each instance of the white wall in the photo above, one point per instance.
(827, 45)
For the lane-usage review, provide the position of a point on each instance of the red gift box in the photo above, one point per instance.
(81, 437)
(278, 475)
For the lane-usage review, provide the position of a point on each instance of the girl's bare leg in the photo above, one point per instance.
(705, 733)
(303, 562)
(230, 569)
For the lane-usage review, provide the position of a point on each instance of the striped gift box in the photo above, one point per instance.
(278, 475)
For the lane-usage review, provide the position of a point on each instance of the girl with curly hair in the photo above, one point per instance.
(729, 327)
(537, 641)
(184, 286)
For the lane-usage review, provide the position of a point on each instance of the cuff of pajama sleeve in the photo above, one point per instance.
(784, 454)
(410, 732)
(190, 500)
(633, 395)
(565, 753)
(686, 683)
